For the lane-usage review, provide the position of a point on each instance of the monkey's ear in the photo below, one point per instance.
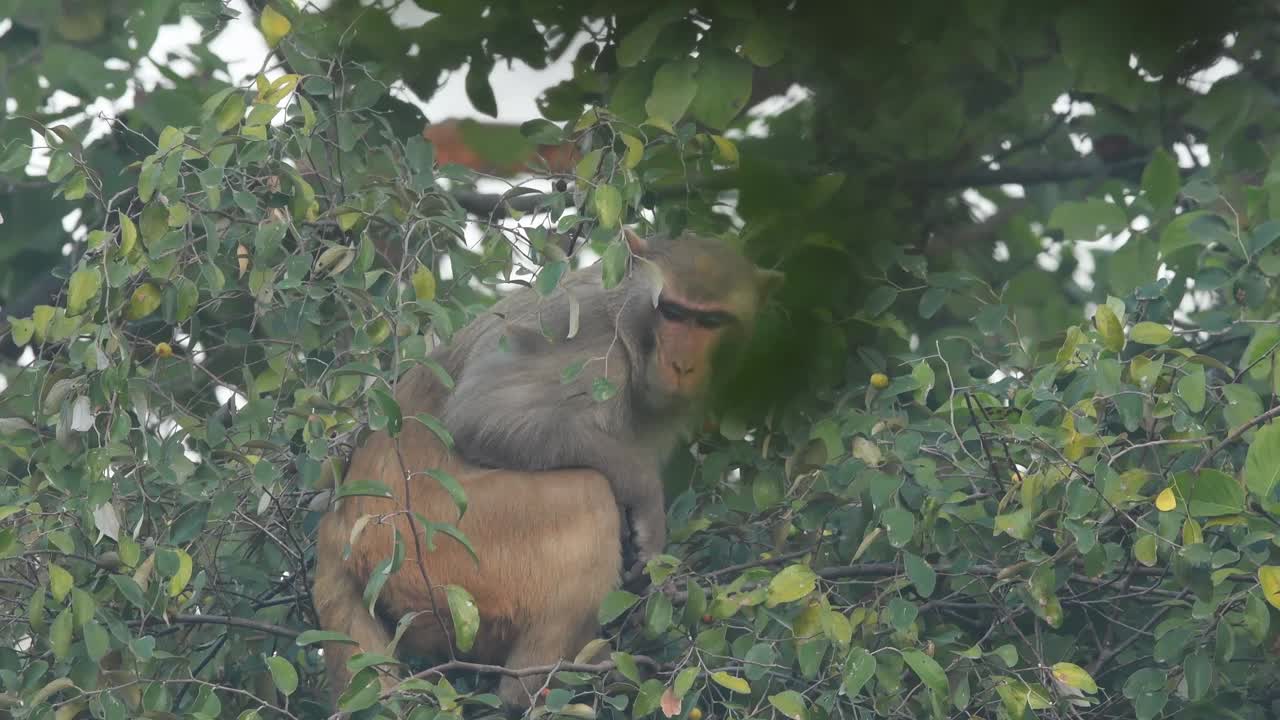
(639, 246)
(768, 281)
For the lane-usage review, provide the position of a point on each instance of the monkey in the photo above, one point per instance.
(548, 546)
(613, 391)
(547, 527)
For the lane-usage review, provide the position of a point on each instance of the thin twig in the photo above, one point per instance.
(231, 622)
(1235, 435)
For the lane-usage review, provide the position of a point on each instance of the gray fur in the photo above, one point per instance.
(510, 408)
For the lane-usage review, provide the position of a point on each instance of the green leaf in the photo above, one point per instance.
(1160, 180)
(900, 525)
(879, 300)
(182, 576)
(466, 616)
(602, 389)
(1109, 328)
(791, 584)
(648, 699)
(1269, 579)
(60, 635)
(615, 264)
(1262, 464)
(922, 373)
(859, 667)
(1149, 333)
(616, 603)
(736, 684)
(724, 87)
(1191, 387)
(453, 487)
(928, 670)
(674, 88)
(1073, 675)
(1016, 524)
(608, 205)
(96, 641)
(367, 488)
(1088, 220)
(635, 45)
(283, 674)
(479, 91)
(921, 574)
(144, 301)
(766, 41)
(1144, 550)
(658, 614)
(549, 277)
(931, 301)
(389, 408)
(60, 582)
(83, 289)
(626, 665)
(789, 703)
(1209, 493)
(436, 427)
(542, 132)
(1197, 669)
(1243, 405)
(311, 637)
(188, 298)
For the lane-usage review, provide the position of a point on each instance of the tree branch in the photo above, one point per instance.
(1235, 435)
(230, 622)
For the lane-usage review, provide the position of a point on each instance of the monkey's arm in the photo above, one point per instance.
(636, 481)
(513, 426)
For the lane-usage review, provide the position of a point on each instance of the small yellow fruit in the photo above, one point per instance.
(695, 714)
(164, 350)
(879, 381)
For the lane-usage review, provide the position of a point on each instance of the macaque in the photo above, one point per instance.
(573, 426)
(548, 543)
(613, 388)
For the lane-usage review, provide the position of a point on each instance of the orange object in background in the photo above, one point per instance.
(451, 147)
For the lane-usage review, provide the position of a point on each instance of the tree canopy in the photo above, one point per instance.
(1005, 446)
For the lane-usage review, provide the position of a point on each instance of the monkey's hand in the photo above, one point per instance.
(648, 520)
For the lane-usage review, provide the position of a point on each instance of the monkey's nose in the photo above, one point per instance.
(681, 368)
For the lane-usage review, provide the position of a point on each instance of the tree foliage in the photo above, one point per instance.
(979, 463)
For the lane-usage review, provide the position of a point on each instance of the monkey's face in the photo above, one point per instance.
(709, 296)
(686, 338)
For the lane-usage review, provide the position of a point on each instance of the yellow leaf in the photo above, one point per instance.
(128, 235)
(735, 684)
(1269, 578)
(1166, 501)
(145, 300)
(635, 151)
(726, 151)
(661, 124)
(1191, 532)
(791, 584)
(1110, 328)
(182, 576)
(1074, 676)
(274, 26)
(424, 284)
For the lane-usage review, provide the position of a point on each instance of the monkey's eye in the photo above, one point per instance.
(674, 311)
(713, 319)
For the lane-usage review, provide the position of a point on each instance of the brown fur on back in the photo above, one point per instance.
(548, 546)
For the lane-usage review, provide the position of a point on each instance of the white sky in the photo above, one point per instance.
(242, 46)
